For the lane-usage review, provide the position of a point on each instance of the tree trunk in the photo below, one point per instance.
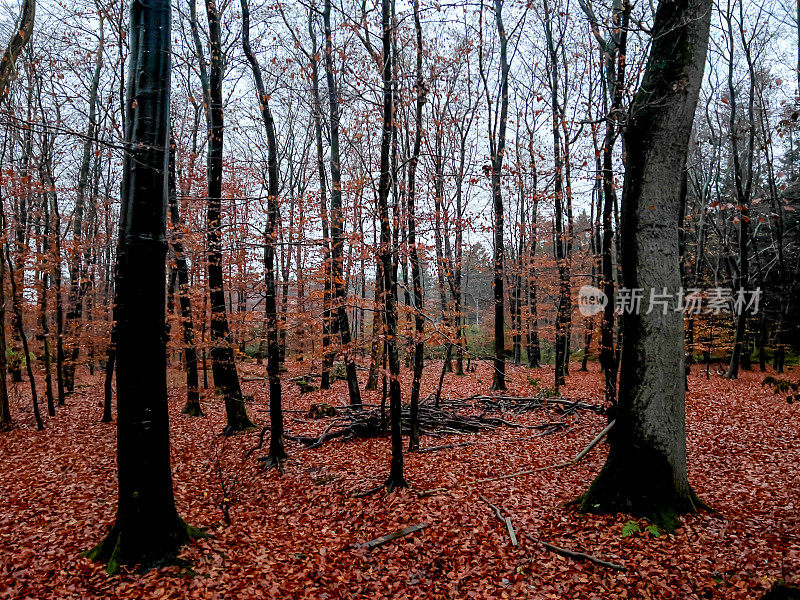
(416, 274)
(645, 473)
(21, 36)
(498, 148)
(337, 220)
(77, 272)
(277, 453)
(396, 478)
(147, 529)
(192, 407)
(223, 366)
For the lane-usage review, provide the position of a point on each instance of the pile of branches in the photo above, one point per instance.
(517, 405)
(371, 421)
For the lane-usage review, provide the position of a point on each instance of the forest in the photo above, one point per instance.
(399, 298)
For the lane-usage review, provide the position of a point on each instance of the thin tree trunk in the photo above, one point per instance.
(277, 453)
(192, 407)
(396, 478)
(336, 218)
(223, 366)
(416, 274)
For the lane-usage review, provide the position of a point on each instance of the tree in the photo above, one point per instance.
(277, 453)
(341, 323)
(389, 270)
(416, 275)
(743, 178)
(147, 529)
(613, 50)
(192, 407)
(645, 473)
(21, 36)
(223, 365)
(497, 149)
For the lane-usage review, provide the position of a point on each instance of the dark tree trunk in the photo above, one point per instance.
(43, 321)
(52, 199)
(743, 179)
(560, 236)
(534, 348)
(16, 44)
(645, 473)
(498, 148)
(5, 411)
(223, 366)
(147, 529)
(337, 220)
(111, 359)
(396, 478)
(277, 453)
(323, 193)
(192, 407)
(16, 307)
(416, 272)
(376, 342)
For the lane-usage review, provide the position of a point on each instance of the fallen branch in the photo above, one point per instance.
(577, 458)
(444, 447)
(392, 536)
(580, 556)
(504, 520)
(368, 420)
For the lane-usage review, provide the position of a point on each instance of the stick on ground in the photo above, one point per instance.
(572, 461)
(580, 556)
(504, 520)
(392, 536)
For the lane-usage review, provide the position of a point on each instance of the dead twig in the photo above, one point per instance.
(504, 520)
(380, 541)
(444, 447)
(580, 556)
(474, 482)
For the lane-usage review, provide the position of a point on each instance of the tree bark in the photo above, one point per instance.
(416, 273)
(22, 34)
(192, 407)
(223, 366)
(277, 452)
(645, 473)
(147, 529)
(337, 220)
(396, 478)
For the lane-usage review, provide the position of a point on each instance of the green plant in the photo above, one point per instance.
(14, 360)
(653, 530)
(633, 527)
(630, 528)
(550, 392)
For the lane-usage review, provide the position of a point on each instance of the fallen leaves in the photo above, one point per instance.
(293, 536)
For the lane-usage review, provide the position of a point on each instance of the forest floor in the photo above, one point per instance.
(294, 535)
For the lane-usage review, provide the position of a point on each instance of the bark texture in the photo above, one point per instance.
(148, 529)
(645, 473)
